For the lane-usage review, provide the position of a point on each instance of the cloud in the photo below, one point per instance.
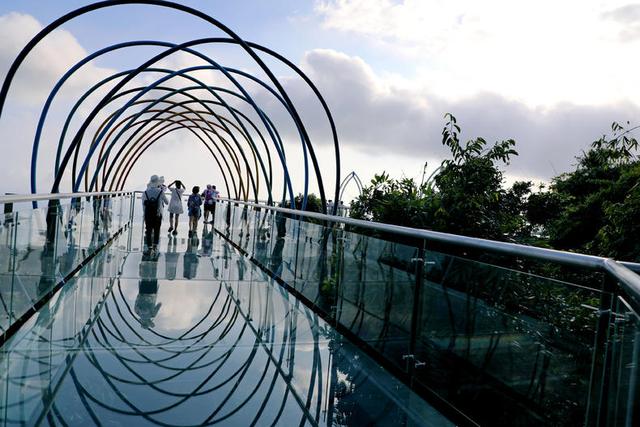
(626, 14)
(45, 64)
(628, 19)
(541, 52)
(379, 116)
(29, 90)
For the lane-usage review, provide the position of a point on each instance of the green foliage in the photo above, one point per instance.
(593, 208)
(471, 197)
(465, 197)
(401, 202)
(314, 204)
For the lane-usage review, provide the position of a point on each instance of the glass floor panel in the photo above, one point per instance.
(195, 335)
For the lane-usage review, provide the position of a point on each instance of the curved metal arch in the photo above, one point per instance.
(213, 143)
(225, 143)
(167, 101)
(118, 173)
(351, 177)
(140, 149)
(230, 174)
(78, 138)
(200, 101)
(162, 3)
(227, 146)
(243, 131)
(76, 106)
(135, 149)
(140, 142)
(114, 47)
(133, 119)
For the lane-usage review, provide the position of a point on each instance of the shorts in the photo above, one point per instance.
(194, 212)
(210, 208)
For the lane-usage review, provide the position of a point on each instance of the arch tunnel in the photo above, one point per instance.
(198, 333)
(238, 121)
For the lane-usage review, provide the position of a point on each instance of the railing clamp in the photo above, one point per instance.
(422, 260)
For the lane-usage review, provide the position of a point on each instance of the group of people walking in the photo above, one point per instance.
(154, 200)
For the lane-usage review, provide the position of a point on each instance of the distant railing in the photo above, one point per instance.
(492, 333)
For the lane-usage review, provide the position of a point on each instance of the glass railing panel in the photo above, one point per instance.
(253, 216)
(219, 215)
(244, 227)
(226, 219)
(313, 252)
(238, 222)
(40, 247)
(527, 338)
(620, 396)
(263, 240)
(376, 284)
(285, 249)
(7, 263)
(33, 266)
(520, 342)
(88, 223)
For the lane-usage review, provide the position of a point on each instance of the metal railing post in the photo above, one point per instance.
(416, 308)
(596, 412)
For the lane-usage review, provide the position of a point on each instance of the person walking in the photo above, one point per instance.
(209, 202)
(153, 201)
(193, 206)
(175, 205)
(215, 196)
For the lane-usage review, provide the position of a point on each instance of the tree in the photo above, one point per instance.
(400, 202)
(593, 209)
(465, 196)
(314, 204)
(470, 193)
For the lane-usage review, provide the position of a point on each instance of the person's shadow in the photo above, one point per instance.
(171, 258)
(207, 241)
(145, 306)
(190, 267)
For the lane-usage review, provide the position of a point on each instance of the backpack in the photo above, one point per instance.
(151, 206)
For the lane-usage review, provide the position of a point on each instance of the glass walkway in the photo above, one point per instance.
(194, 335)
(267, 317)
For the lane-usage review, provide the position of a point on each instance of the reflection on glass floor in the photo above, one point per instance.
(195, 335)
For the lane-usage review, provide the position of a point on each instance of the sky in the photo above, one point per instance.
(551, 75)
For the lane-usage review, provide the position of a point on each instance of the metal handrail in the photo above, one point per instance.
(17, 198)
(633, 266)
(629, 280)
